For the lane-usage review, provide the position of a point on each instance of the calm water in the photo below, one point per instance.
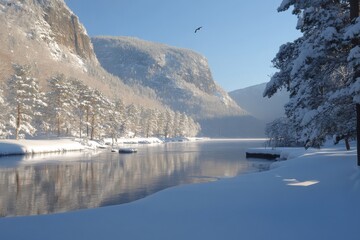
(43, 184)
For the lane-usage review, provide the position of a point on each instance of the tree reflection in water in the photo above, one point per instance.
(43, 184)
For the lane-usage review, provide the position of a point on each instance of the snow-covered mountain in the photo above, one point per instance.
(47, 36)
(180, 78)
(266, 109)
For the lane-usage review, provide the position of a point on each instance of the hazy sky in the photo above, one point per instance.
(239, 38)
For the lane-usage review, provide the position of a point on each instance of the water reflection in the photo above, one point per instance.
(43, 184)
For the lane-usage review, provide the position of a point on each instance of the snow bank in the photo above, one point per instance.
(20, 147)
(313, 196)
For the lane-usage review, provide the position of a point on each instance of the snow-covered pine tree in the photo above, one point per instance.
(62, 103)
(99, 113)
(133, 115)
(25, 98)
(308, 68)
(354, 59)
(148, 122)
(82, 101)
(4, 116)
(194, 127)
(169, 123)
(160, 123)
(183, 126)
(280, 133)
(116, 119)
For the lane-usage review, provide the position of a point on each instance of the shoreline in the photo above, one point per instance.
(314, 195)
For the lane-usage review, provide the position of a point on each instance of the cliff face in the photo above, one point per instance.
(47, 36)
(49, 21)
(181, 78)
(66, 28)
(43, 30)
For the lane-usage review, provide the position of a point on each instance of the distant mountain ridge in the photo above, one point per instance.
(265, 109)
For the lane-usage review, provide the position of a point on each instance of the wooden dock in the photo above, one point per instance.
(270, 154)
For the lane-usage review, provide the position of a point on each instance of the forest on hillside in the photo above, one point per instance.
(71, 108)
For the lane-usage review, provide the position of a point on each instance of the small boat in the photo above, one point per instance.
(127, 150)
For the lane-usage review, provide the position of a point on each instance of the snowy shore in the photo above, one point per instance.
(314, 195)
(21, 147)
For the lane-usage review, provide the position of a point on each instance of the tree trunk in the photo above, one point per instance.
(354, 9)
(58, 126)
(80, 125)
(92, 133)
(347, 143)
(87, 122)
(354, 13)
(18, 122)
(358, 132)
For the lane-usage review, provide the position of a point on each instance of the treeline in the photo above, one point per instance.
(71, 108)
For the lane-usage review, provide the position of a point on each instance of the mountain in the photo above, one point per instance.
(181, 78)
(266, 109)
(47, 36)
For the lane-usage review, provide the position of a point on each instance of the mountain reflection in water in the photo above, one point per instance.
(43, 184)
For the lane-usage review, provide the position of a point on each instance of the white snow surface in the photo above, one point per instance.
(315, 195)
(13, 147)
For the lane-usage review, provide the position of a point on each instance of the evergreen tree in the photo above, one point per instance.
(25, 97)
(116, 119)
(280, 133)
(160, 123)
(4, 117)
(100, 108)
(62, 102)
(314, 70)
(133, 119)
(82, 101)
(169, 123)
(149, 120)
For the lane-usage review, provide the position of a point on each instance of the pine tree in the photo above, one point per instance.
(25, 97)
(100, 108)
(82, 101)
(169, 123)
(116, 119)
(148, 122)
(133, 119)
(62, 102)
(354, 58)
(314, 70)
(4, 116)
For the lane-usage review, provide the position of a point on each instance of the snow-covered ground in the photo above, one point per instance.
(314, 195)
(13, 147)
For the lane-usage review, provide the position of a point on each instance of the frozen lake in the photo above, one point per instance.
(50, 183)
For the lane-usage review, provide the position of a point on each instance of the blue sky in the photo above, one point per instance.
(239, 38)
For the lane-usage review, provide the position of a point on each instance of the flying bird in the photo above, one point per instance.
(197, 29)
